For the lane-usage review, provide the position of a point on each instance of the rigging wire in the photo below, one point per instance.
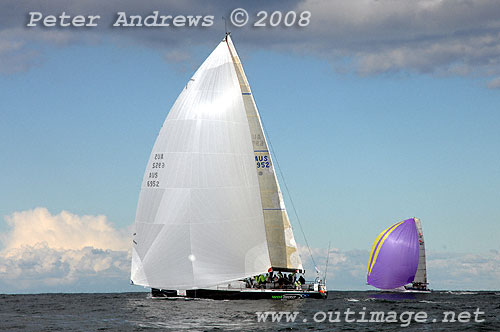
(327, 259)
(288, 194)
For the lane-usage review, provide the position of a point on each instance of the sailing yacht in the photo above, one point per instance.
(397, 259)
(211, 217)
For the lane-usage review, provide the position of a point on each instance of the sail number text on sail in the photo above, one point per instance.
(157, 164)
(263, 161)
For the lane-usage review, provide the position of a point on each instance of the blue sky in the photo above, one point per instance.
(364, 138)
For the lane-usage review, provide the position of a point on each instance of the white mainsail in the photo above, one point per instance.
(199, 218)
(280, 240)
(421, 274)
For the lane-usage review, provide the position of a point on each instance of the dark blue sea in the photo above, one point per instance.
(464, 311)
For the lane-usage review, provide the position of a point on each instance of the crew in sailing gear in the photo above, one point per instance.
(302, 280)
(261, 280)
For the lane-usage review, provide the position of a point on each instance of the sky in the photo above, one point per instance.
(377, 111)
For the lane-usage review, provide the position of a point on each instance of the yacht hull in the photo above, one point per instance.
(243, 294)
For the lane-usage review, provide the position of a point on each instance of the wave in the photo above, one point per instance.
(461, 293)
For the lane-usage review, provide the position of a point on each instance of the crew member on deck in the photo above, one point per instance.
(302, 280)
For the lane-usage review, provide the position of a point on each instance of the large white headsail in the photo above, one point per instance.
(280, 240)
(421, 275)
(199, 218)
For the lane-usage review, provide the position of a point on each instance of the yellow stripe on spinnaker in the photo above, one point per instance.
(374, 247)
(387, 232)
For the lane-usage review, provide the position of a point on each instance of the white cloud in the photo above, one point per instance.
(465, 270)
(494, 83)
(436, 37)
(40, 268)
(446, 271)
(20, 49)
(62, 231)
(64, 252)
(424, 36)
(177, 56)
(346, 269)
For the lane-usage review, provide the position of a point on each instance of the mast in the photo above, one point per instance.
(283, 250)
(421, 275)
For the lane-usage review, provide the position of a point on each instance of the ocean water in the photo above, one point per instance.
(478, 311)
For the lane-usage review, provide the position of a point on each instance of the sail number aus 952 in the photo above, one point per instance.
(263, 161)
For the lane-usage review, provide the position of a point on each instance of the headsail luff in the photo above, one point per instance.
(199, 218)
(280, 240)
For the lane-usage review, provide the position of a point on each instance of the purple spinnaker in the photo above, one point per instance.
(396, 263)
